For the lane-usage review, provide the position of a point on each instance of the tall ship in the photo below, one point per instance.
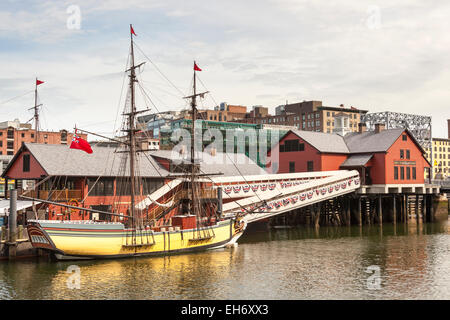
(134, 230)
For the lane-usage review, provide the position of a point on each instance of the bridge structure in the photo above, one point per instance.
(280, 193)
(258, 197)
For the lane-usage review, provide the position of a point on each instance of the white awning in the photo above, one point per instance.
(21, 204)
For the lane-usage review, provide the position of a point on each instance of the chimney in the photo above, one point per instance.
(341, 105)
(362, 127)
(379, 127)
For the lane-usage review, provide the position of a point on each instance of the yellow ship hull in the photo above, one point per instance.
(81, 239)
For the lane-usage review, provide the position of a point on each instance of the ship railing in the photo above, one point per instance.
(203, 234)
(139, 238)
(53, 195)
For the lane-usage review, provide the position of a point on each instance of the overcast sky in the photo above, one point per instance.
(374, 55)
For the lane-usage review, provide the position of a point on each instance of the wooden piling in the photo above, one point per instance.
(359, 213)
(380, 210)
(12, 225)
(405, 208)
(394, 210)
(317, 215)
(348, 205)
(417, 209)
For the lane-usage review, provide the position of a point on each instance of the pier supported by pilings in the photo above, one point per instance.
(366, 209)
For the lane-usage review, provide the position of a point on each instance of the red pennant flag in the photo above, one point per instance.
(38, 82)
(196, 68)
(80, 144)
(132, 30)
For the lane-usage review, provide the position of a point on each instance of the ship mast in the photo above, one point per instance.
(132, 129)
(194, 207)
(36, 114)
(194, 117)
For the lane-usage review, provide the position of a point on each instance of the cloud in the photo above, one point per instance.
(251, 53)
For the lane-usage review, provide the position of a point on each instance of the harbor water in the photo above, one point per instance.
(405, 261)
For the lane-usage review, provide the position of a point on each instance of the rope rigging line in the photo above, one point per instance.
(16, 97)
(156, 67)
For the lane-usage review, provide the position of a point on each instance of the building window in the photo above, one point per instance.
(9, 153)
(404, 138)
(408, 173)
(10, 134)
(26, 163)
(402, 154)
(310, 166)
(414, 173)
(292, 166)
(402, 173)
(151, 185)
(292, 145)
(23, 135)
(10, 144)
(103, 187)
(395, 173)
(408, 154)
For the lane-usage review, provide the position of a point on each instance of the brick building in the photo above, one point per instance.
(224, 112)
(14, 133)
(309, 116)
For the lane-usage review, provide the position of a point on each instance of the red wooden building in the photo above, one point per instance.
(382, 156)
(98, 180)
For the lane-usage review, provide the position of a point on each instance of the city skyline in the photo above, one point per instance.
(384, 57)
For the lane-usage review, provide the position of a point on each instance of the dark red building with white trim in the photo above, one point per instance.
(382, 157)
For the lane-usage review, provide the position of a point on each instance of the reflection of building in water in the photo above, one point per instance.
(405, 259)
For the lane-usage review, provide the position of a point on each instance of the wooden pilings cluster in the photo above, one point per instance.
(361, 209)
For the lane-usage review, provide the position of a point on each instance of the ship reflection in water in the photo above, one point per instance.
(292, 263)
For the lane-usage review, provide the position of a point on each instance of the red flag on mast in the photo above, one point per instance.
(132, 30)
(80, 144)
(38, 82)
(196, 68)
